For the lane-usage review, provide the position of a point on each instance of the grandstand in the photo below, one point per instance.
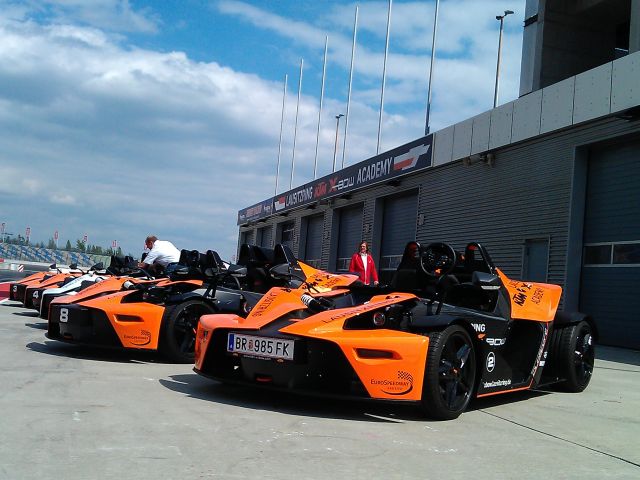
(20, 253)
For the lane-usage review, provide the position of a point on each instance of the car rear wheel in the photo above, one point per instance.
(576, 356)
(179, 326)
(450, 374)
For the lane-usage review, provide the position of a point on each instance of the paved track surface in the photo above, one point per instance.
(77, 413)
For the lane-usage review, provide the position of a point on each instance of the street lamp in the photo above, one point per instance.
(335, 148)
(501, 18)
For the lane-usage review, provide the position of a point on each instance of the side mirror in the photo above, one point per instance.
(237, 270)
(281, 272)
(486, 281)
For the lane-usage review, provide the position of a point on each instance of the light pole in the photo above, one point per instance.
(335, 148)
(284, 102)
(433, 54)
(501, 18)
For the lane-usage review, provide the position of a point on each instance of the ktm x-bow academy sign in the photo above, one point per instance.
(400, 161)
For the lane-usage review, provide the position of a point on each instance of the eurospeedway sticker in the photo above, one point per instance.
(400, 161)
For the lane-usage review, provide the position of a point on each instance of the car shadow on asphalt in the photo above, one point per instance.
(15, 304)
(28, 313)
(37, 325)
(83, 352)
(257, 398)
(196, 386)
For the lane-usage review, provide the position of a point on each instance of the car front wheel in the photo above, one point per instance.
(179, 324)
(450, 374)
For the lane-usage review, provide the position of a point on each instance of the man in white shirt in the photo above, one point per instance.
(161, 253)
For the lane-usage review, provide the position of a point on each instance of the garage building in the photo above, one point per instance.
(548, 183)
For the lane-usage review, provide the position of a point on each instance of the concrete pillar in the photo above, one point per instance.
(634, 28)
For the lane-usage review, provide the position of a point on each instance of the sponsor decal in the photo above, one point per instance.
(339, 185)
(409, 159)
(491, 362)
(541, 351)
(374, 171)
(496, 342)
(538, 293)
(479, 327)
(144, 338)
(304, 195)
(264, 304)
(523, 292)
(279, 204)
(255, 212)
(401, 385)
(326, 281)
(497, 383)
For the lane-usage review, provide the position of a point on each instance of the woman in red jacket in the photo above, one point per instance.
(362, 265)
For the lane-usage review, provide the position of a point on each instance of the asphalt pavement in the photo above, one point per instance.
(69, 412)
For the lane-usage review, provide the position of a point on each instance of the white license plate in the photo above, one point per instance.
(260, 346)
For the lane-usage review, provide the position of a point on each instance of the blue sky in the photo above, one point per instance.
(119, 119)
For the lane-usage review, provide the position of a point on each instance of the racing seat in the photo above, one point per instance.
(188, 265)
(257, 260)
(469, 294)
(409, 277)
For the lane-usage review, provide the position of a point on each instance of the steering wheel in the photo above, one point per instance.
(437, 259)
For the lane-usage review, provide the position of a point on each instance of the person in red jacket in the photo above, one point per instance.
(362, 265)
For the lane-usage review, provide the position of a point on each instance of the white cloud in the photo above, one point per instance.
(466, 54)
(120, 142)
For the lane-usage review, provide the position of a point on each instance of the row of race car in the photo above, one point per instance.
(448, 328)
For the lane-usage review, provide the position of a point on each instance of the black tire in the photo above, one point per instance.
(179, 324)
(576, 356)
(450, 374)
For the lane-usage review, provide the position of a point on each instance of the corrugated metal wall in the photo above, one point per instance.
(313, 244)
(526, 194)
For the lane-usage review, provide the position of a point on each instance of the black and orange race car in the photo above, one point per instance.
(17, 290)
(152, 315)
(119, 271)
(449, 328)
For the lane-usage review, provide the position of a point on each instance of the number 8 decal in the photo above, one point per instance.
(64, 315)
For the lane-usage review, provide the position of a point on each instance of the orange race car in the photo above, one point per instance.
(93, 284)
(163, 315)
(449, 328)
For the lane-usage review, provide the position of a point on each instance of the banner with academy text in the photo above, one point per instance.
(400, 161)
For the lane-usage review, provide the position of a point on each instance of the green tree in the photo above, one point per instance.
(67, 247)
(51, 244)
(80, 246)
